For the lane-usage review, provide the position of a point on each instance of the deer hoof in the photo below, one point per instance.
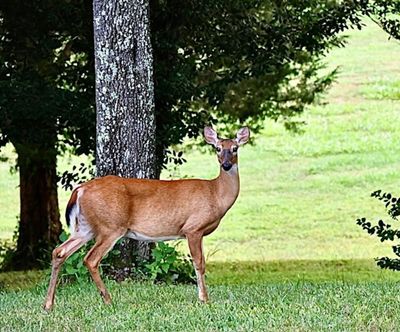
(47, 307)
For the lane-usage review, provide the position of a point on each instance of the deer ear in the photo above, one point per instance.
(210, 136)
(243, 135)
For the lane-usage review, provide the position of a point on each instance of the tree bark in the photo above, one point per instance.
(125, 101)
(39, 226)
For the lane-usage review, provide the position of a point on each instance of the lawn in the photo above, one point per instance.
(291, 306)
(288, 255)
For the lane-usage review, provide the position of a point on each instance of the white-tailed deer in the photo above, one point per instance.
(112, 207)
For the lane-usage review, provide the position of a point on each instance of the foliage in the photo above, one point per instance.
(7, 248)
(385, 231)
(9, 252)
(167, 265)
(73, 269)
(386, 13)
(238, 62)
(78, 174)
(170, 266)
(46, 76)
(202, 74)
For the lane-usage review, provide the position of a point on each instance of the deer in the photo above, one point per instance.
(111, 207)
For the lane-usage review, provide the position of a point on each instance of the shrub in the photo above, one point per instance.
(73, 269)
(385, 231)
(7, 249)
(167, 264)
(170, 266)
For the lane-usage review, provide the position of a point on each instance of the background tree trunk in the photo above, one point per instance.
(39, 225)
(125, 102)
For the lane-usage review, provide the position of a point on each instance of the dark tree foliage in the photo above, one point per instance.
(46, 104)
(235, 62)
(47, 73)
(386, 13)
(385, 231)
(240, 61)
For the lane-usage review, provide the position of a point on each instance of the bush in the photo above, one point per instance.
(167, 265)
(74, 270)
(170, 266)
(7, 249)
(385, 231)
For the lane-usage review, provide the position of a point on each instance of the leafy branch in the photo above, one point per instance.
(383, 230)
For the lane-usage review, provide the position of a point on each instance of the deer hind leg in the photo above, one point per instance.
(93, 259)
(196, 250)
(60, 254)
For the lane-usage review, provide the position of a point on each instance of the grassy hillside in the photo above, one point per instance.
(301, 194)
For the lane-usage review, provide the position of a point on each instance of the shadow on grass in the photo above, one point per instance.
(352, 270)
(232, 273)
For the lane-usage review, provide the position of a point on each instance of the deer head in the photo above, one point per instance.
(227, 148)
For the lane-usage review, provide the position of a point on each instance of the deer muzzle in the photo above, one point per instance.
(226, 160)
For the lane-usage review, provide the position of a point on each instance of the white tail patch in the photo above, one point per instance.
(79, 227)
(73, 219)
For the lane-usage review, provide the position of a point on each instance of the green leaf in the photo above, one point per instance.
(165, 267)
(63, 237)
(70, 270)
(170, 259)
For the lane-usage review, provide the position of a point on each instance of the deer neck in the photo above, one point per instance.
(228, 186)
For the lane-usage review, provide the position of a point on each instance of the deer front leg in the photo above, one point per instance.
(195, 242)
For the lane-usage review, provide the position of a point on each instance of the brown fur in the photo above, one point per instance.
(156, 208)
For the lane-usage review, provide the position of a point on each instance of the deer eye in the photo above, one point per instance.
(234, 149)
(218, 149)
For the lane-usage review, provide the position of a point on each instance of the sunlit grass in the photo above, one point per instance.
(274, 306)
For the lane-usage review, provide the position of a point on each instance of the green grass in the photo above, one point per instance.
(289, 306)
(245, 296)
(300, 194)
(250, 273)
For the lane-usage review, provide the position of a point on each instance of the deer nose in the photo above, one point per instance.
(226, 166)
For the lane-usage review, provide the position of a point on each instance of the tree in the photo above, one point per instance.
(237, 61)
(240, 62)
(46, 100)
(386, 14)
(125, 101)
(227, 60)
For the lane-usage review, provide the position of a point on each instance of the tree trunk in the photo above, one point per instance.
(124, 101)
(39, 225)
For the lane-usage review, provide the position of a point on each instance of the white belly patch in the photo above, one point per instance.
(142, 237)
